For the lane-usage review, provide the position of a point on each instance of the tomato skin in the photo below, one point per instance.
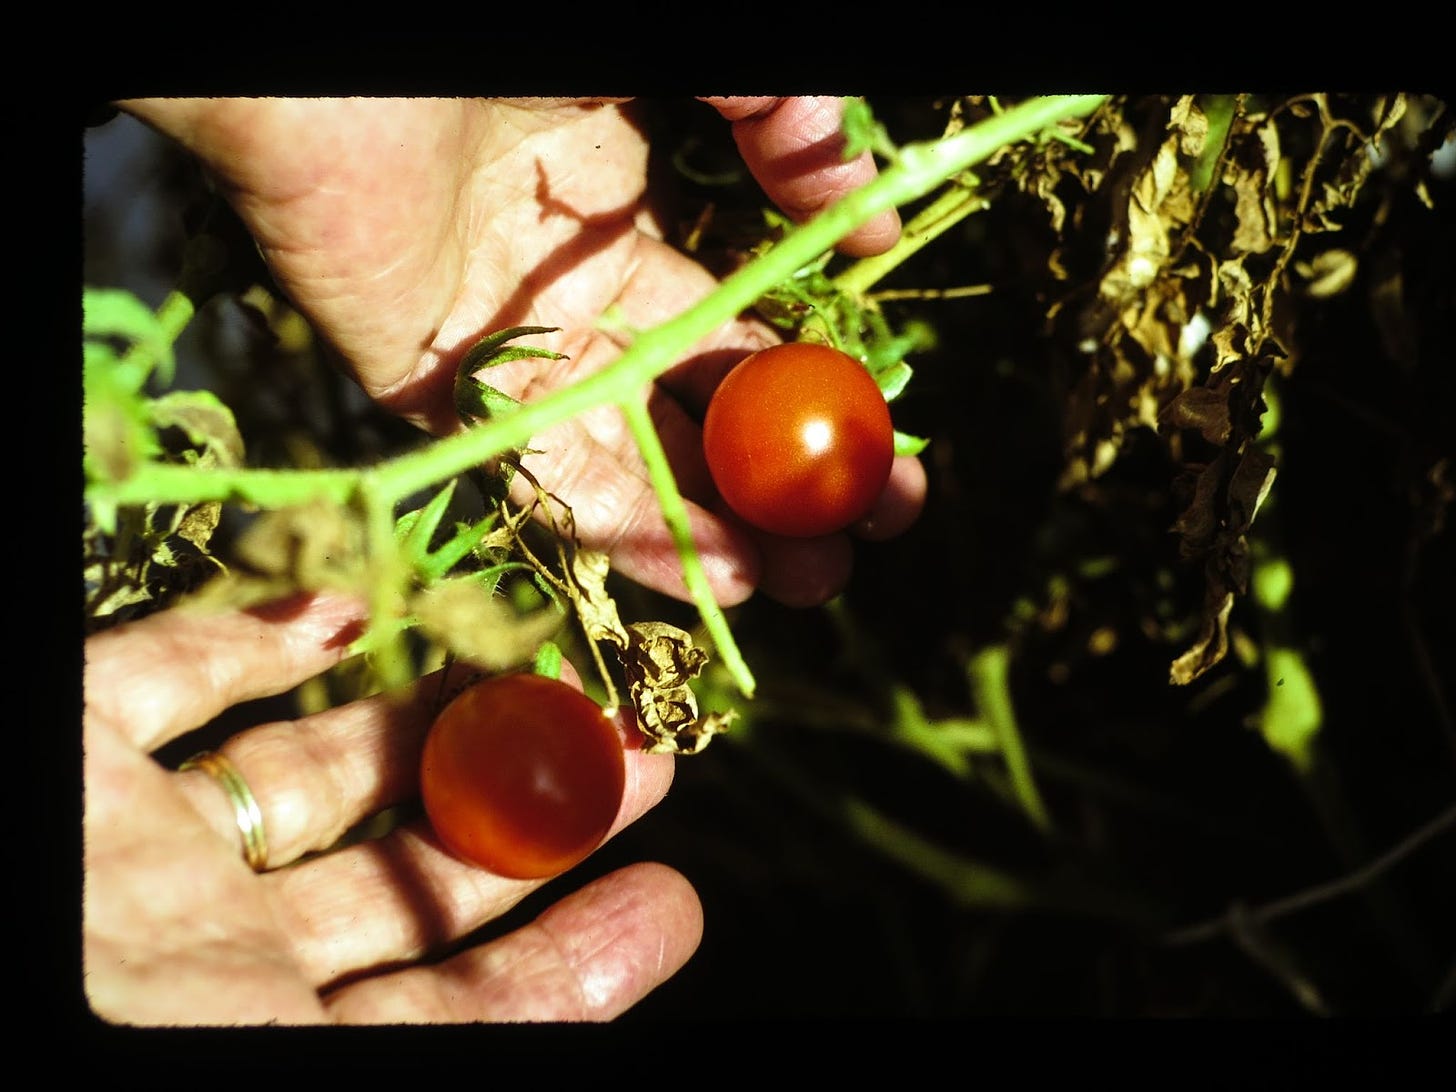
(798, 440)
(522, 775)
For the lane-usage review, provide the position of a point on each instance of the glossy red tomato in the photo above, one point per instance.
(798, 439)
(522, 775)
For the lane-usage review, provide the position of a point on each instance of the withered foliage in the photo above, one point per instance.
(160, 551)
(657, 660)
(1218, 210)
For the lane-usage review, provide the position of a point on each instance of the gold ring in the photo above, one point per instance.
(245, 806)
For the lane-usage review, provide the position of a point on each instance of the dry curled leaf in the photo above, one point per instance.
(313, 545)
(1328, 273)
(1211, 645)
(587, 589)
(164, 551)
(1250, 174)
(659, 661)
(1204, 223)
(169, 557)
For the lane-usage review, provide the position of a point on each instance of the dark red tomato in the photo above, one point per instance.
(798, 439)
(522, 775)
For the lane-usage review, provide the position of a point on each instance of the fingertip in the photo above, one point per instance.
(733, 573)
(874, 237)
(741, 107)
(678, 902)
(805, 572)
(898, 505)
(624, 934)
(729, 558)
(649, 775)
(794, 148)
(570, 675)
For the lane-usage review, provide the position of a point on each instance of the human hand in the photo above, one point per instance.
(179, 930)
(407, 229)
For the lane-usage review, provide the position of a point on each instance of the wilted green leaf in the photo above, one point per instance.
(479, 627)
(208, 423)
(115, 313)
(117, 430)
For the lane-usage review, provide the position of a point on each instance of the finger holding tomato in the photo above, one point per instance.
(406, 229)
(799, 443)
(181, 927)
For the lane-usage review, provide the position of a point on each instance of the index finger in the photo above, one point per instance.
(795, 149)
(154, 679)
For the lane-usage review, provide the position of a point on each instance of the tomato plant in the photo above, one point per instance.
(798, 439)
(522, 775)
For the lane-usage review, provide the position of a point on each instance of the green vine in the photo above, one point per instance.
(916, 170)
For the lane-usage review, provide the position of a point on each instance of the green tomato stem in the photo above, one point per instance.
(675, 515)
(990, 684)
(949, 209)
(174, 314)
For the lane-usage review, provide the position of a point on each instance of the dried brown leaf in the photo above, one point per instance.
(1201, 408)
(311, 546)
(1251, 172)
(659, 662)
(1328, 273)
(594, 606)
(1211, 645)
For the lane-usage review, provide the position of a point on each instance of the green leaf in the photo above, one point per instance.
(117, 431)
(905, 444)
(476, 399)
(1293, 714)
(892, 380)
(486, 351)
(113, 312)
(548, 660)
(414, 530)
(459, 547)
(862, 132)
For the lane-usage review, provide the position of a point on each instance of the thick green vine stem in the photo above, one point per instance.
(675, 514)
(944, 213)
(388, 581)
(918, 169)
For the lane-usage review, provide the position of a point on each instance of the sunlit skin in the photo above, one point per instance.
(799, 441)
(403, 230)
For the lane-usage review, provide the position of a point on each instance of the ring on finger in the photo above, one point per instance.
(245, 806)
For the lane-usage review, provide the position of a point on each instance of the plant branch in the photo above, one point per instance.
(949, 209)
(1313, 896)
(675, 514)
(921, 167)
(918, 170)
(988, 671)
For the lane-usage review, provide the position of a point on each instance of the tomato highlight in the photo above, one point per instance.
(798, 440)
